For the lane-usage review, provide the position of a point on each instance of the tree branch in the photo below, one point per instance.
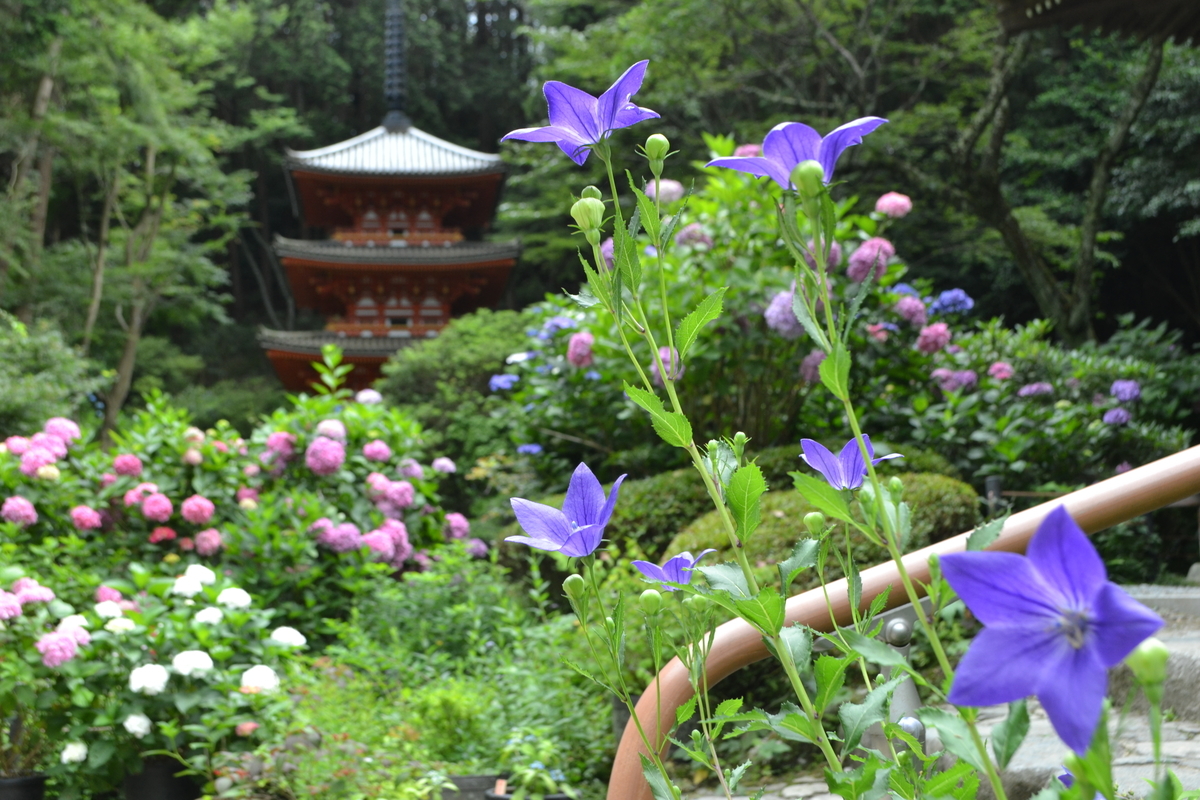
(1003, 68)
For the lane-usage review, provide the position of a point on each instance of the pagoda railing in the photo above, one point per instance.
(1102, 505)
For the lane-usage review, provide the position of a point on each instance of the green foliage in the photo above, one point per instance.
(942, 507)
(42, 377)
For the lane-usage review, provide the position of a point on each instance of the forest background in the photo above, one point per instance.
(142, 144)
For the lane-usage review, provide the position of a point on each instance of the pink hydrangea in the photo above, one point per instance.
(693, 234)
(57, 648)
(933, 337)
(107, 594)
(748, 150)
(197, 509)
(325, 456)
(282, 444)
(376, 450)
(127, 464)
(193, 457)
(29, 590)
(19, 510)
(457, 526)
(579, 349)
(834, 259)
(162, 534)
(208, 542)
(341, 538)
(10, 606)
(377, 484)
(79, 634)
(34, 459)
(332, 429)
(47, 442)
(381, 545)
(246, 728)
(444, 465)
(810, 367)
(422, 560)
(321, 526)
(477, 548)
(1001, 370)
(873, 253)
(400, 493)
(139, 493)
(187, 543)
(894, 204)
(878, 331)
(107, 479)
(250, 470)
(157, 507)
(17, 445)
(409, 468)
(399, 535)
(912, 310)
(85, 518)
(63, 428)
(219, 445)
(246, 493)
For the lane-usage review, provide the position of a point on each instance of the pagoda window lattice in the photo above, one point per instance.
(432, 312)
(425, 222)
(366, 311)
(397, 222)
(369, 221)
(399, 311)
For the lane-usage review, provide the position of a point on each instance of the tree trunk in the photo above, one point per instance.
(110, 199)
(133, 335)
(37, 224)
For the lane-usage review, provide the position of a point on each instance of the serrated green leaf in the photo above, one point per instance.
(807, 322)
(745, 488)
(835, 372)
(821, 496)
(672, 427)
(1008, 735)
(830, 673)
(728, 707)
(765, 612)
(734, 776)
(954, 734)
(647, 212)
(684, 712)
(804, 556)
(872, 650)
(597, 284)
(625, 257)
(586, 298)
(659, 786)
(868, 781)
(857, 717)
(798, 640)
(689, 328)
(985, 534)
(727, 577)
(879, 602)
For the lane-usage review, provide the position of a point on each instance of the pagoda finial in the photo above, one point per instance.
(395, 88)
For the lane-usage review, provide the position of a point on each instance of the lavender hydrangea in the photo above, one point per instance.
(1126, 391)
(325, 456)
(952, 301)
(1035, 389)
(1117, 416)
(781, 318)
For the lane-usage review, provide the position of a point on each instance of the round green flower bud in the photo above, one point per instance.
(573, 586)
(588, 213)
(651, 601)
(698, 602)
(809, 178)
(815, 522)
(657, 147)
(592, 192)
(1148, 662)
(896, 488)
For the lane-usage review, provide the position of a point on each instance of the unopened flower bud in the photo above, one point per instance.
(610, 622)
(651, 601)
(657, 147)
(1148, 662)
(866, 498)
(809, 178)
(815, 522)
(591, 192)
(698, 602)
(589, 216)
(896, 488)
(573, 586)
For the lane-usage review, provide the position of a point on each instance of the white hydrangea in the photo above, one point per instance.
(107, 609)
(120, 625)
(138, 724)
(260, 678)
(287, 637)
(209, 616)
(187, 585)
(190, 662)
(234, 597)
(74, 753)
(72, 621)
(201, 573)
(149, 679)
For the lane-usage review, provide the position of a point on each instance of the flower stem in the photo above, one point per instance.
(989, 767)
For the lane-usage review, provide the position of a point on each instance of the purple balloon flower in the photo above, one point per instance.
(1054, 626)
(846, 470)
(677, 569)
(578, 120)
(789, 143)
(577, 529)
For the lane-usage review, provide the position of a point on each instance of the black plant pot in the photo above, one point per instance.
(470, 787)
(158, 781)
(27, 787)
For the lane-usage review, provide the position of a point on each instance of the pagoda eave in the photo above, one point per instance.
(292, 354)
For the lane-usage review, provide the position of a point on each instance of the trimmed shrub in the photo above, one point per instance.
(41, 376)
(777, 462)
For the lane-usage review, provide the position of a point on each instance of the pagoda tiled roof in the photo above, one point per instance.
(410, 152)
(1179, 19)
(411, 255)
(310, 343)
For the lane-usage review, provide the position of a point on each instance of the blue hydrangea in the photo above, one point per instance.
(502, 382)
(952, 301)
(531, 449)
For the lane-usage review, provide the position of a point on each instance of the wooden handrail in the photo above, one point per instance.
(1095, 508)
